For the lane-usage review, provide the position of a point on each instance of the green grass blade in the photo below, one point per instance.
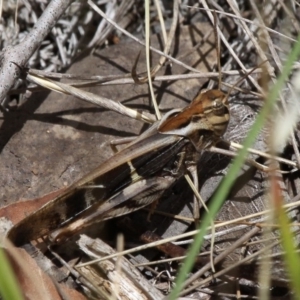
(291, 257)
(9, 287)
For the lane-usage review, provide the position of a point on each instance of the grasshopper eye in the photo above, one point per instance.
(219, 107)
(216, 103)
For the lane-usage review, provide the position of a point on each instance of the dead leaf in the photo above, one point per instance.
(34, 283)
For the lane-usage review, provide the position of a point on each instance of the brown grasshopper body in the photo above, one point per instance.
(134, 177)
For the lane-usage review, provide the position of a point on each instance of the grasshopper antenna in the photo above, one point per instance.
(218, 54)
(217, 37)
(244, 76)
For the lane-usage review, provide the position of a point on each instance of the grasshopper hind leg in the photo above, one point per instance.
(132, 198)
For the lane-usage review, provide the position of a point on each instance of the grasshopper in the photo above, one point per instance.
(137, 175)
(134, 177)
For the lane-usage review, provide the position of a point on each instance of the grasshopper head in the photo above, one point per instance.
(216, 110)
(208, 111)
